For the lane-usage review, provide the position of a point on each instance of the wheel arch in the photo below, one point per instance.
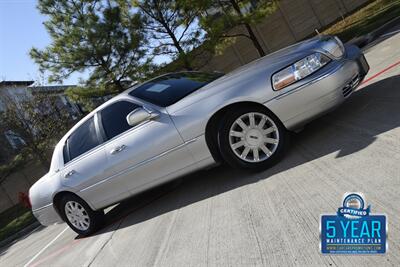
(212, 126)
(57, 200)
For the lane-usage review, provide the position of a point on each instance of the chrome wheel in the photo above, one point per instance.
(77, 215)
(254, 137)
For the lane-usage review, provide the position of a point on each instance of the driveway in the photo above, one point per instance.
(227, 217)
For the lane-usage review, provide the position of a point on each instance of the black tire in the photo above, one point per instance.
(224, 139)
(95, 217)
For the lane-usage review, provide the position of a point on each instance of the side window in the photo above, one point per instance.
(81, 140)
(66, 152)
(113, 118)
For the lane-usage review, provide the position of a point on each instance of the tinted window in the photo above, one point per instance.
(171, 88)
(82, 139)
(113, 118)
(66, 153)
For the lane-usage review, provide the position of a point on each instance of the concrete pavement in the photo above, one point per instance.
(232, 218)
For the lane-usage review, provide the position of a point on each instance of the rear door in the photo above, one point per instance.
(144, 154)
(86, 166)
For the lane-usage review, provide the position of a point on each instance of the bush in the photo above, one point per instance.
(14, 220)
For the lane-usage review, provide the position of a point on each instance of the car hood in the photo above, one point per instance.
(265, 66)
(278, 58)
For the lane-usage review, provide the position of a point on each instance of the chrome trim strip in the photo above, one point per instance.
(140, 164)
(45, 206)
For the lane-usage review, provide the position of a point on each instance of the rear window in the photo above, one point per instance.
(83, 139)
(169, 89)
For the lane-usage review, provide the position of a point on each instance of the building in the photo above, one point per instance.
(63, 102)
(17, 90)
(20, 91)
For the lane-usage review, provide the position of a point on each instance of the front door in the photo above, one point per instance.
(143, 154)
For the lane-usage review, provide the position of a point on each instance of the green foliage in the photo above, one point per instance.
(117, 40)
(95, 36)
(11, 213)
(223, 43)
(365, 20)
(223, 19)
(39, 121)
(13, 224)
(86, 96)
(172, 27)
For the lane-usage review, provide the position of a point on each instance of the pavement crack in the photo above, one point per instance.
(105, 243)
(253, 229)
(210, 203)
(165, 242)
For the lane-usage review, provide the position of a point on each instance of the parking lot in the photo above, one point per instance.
(226, 217)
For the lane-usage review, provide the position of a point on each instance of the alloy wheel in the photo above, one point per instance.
(254, 137)
(77, 215)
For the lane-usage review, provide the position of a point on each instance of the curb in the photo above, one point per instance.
(378, 32)
(372, 36)
(27, 230)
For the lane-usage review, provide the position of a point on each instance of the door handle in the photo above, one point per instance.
(118, 149)
(69, 174)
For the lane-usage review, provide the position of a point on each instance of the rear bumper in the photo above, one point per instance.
(47, 215)
(322, 93)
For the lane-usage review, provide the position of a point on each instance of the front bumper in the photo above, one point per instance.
(47, 215)
(363, 65)
(319, 94)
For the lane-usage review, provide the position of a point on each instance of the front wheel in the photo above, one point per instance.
(252, 138)
(79, 216)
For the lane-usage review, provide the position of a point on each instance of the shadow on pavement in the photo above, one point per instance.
(371, 111)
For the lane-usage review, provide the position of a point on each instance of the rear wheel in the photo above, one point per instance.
(79, 216)
(252, 138)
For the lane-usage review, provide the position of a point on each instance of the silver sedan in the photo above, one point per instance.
(181, 122)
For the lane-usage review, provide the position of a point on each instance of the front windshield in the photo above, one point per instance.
(169, 89)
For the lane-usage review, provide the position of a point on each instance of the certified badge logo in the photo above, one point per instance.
(353, 230)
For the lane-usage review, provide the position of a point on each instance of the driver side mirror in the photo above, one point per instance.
(140, 115)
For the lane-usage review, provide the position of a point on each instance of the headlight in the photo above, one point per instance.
(333, 46)
(299, 70)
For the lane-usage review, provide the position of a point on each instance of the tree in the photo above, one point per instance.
(222, 16)
(89, 97)
(38, 120)
(172, 27)
(95, 36)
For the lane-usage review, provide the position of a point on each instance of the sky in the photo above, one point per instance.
(21, 29)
